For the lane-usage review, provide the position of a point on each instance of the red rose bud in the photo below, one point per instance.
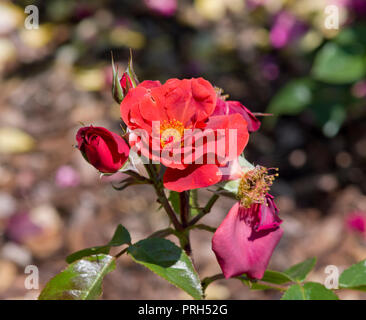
(104, 150)
(121, 86)
(126, 83)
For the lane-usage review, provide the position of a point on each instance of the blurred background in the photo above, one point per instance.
(274, 56)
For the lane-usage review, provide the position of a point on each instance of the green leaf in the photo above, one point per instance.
(81, 280)
(299, 271)
(292, 98)
(170, 262)
(339, 65)
(295, 292)
(276, 277)
(354, 277)
(270, 276)
(193, 203)
(316, 291)
(309, 291)
(174, 200)
(121, 236)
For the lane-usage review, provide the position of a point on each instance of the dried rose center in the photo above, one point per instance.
(171, 131)
(254, 185)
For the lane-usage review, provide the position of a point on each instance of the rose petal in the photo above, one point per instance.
(193, 177)
(240, 249)
(232, 107)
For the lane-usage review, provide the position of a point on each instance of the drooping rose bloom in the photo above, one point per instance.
(104, 150)
(231, 107)
(246, 239)
(173, 124)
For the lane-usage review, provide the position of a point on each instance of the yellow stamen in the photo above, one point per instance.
(254, 186)
(171, 131)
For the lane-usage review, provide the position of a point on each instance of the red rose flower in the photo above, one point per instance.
(103, 149)
(181, 131)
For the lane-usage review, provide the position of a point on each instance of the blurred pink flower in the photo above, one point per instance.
(356, 222)
(66, 177)
(20, 227)
(285, 29)
(163, 7)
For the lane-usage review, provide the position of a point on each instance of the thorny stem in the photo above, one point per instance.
(205, 210)
(137, 176)
(182, 227)
(184, 215)
(184, 207)
(208, 280)
(120, 253)
(203, 227)
(162, 197)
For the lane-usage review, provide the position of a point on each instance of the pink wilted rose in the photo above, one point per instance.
(246, 239)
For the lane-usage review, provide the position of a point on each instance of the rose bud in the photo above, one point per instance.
(121, 86)
(126, 83)
(104, 150)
